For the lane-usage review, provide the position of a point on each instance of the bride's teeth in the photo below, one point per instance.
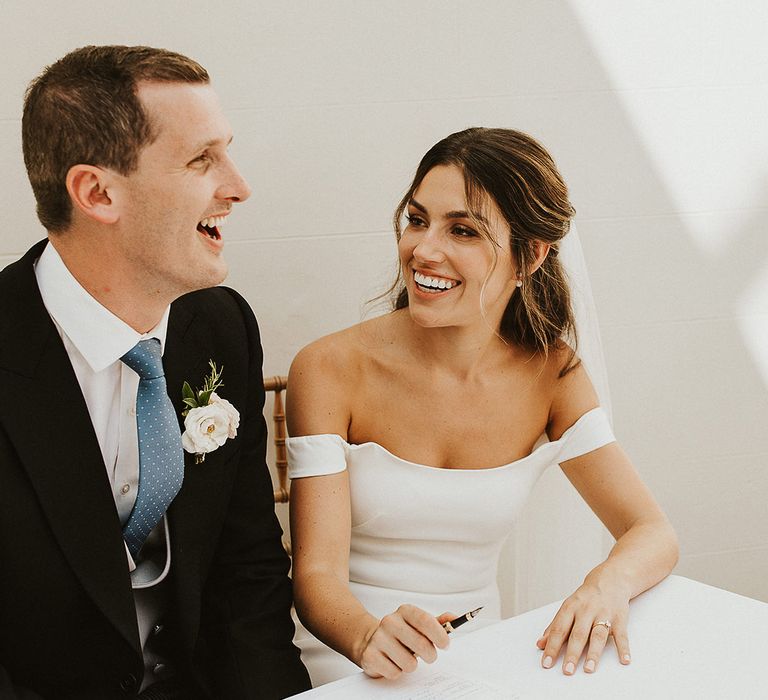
(204, 222)
(432, 282)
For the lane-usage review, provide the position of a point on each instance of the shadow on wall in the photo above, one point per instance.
(689, 396)
(752, 294)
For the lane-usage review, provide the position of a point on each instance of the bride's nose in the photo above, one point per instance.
(430, 247)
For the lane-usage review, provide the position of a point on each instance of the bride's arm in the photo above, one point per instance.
(645, 551)
(320, 513)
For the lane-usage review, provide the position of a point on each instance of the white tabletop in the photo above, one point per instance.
(688, 640)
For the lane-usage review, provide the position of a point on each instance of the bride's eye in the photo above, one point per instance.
(464, 232)
(414, 220)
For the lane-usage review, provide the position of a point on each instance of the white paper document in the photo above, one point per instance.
(433, 685)
(446, 686)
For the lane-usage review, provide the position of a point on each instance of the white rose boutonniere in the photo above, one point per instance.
(209, 420)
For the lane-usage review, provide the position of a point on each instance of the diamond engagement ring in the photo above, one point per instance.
(605, 623)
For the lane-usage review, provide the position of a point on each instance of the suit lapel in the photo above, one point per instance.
(186, 356)
(60, 451)
(196, 514)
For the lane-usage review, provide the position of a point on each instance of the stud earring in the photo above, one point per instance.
(519, 282)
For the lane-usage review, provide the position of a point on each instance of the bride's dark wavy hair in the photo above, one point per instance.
(519, 175)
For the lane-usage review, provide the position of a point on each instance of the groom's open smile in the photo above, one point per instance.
(211, 225)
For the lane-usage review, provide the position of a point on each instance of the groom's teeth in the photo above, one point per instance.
(213, 221)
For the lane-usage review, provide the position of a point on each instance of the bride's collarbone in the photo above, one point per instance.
(506, 402)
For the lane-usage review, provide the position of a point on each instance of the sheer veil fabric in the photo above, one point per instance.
(558, 539)
(590, 348)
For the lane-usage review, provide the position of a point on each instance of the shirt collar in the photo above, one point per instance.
(100, 336)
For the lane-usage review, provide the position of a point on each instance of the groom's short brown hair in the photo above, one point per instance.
(84, 109)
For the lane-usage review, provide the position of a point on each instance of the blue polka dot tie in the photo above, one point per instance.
(161, 458)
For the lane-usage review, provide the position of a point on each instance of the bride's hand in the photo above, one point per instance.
(400, 639)
(575, 627)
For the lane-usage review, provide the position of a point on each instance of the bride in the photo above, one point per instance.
(417, 435)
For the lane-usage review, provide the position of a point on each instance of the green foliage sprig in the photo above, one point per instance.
(201, 397)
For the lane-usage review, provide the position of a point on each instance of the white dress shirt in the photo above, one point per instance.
(95, 340)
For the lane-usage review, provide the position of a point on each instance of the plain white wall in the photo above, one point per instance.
(656, 113)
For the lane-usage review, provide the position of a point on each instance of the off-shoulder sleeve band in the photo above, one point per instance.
(591, 431)
(316, 455)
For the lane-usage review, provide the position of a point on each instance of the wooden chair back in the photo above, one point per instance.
(279, 432)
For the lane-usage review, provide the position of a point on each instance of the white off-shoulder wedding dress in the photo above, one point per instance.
(423, 535)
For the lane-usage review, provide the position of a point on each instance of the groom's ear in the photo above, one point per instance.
(92, 191)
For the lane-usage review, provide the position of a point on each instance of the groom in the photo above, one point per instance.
(130, 567)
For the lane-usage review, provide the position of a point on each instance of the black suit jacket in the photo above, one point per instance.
(67, 619)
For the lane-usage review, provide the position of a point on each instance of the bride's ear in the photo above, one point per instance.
(541, 250)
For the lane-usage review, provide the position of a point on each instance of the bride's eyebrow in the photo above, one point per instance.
(466, 215)
(416, 205)
(452, 214)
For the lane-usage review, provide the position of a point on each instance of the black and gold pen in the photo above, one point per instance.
(459, 621)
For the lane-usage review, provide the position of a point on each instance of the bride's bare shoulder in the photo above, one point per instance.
(340, 356)
(571, 391)
(325, 375)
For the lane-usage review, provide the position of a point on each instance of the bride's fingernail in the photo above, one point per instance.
(626, 658)
(569, 668)
(547, 663)
(589, 666)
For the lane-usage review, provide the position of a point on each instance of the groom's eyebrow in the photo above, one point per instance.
(212, 142)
